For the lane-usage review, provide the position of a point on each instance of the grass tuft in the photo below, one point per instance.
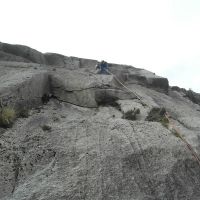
(131, 114)
(158, 115)
(7, 117)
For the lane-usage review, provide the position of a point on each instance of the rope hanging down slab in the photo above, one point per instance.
(177, 132)
(124, 85)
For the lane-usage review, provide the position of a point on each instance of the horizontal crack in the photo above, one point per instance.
(78, 90)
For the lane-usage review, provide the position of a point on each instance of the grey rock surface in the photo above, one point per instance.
(78, 146)
(84, 89)
(23, 88)
(10, 57)
(24, 52)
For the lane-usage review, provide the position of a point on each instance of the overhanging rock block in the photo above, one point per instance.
(85, 90)
(110, 96)
(148, 79)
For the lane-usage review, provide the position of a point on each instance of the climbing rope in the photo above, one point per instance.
(139, 98)
(177, 132)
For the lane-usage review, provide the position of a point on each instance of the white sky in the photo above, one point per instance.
(162, 36)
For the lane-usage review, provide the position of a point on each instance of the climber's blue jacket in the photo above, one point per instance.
(103, 66)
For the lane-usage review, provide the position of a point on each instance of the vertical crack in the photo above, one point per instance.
(16, 169)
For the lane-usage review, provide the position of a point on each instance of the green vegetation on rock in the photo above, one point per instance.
(7, 117)
(131, 114)
(158, 115)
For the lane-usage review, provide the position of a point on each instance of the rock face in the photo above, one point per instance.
(80, 144)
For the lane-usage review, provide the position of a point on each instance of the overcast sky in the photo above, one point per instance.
(162, 36)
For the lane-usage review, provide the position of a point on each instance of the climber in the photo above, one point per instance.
(102, 67)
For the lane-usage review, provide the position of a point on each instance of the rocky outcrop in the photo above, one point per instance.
(88, 137)
(191, 95)
(10, 57)
(125, 73)
(86, 90)
(27, 53)
(23, 88)
(26, 87)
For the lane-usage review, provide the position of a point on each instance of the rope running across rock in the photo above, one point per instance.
(177, 132)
